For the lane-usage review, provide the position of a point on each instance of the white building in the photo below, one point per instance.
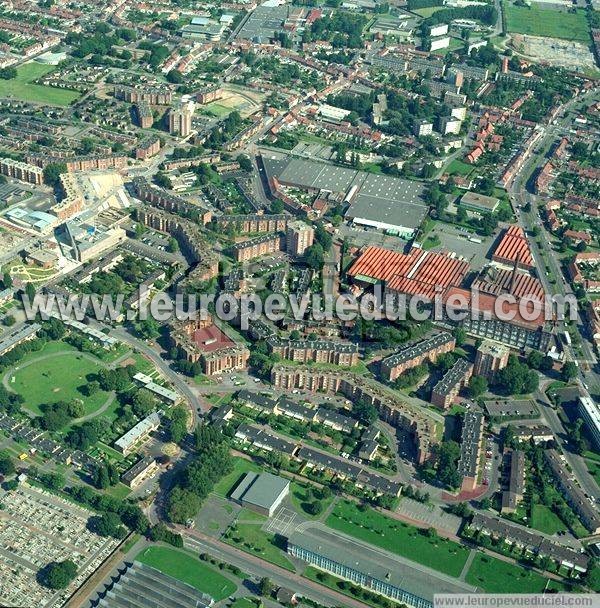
(438, 30)
(590, 412)
(449, 124)
(423, 127)
(440, 43)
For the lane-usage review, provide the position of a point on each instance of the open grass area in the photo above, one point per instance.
(497, 576)
(458, 167)
(56, 373)
(536, 20)
(251, 538)
(398, 537)
(243, 602)
(21, 87)
(300, 496)
(187, 569)
(241, 466)
(544, 520)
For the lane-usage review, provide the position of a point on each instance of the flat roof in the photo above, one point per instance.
(386, 567)
(261, 490)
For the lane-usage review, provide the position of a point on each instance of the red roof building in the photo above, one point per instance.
(418, 272)
(514, 247)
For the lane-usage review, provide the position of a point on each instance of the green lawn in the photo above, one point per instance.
(243, 602)
(21, 87)
(300, 498)
(398, 537)
(497, 576)
(55, 379)
(188, 569)
(551, 22)
(458, 167)
(241, 466)
(250, 537)
(544, 520)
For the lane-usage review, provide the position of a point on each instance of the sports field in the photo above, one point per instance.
(56, 373)
(399, 538)
(549, 22)
(188, 569)
(21, 87)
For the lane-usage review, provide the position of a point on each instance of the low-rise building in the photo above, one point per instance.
(572, 493)
(513, 495)
(262, 493)
(140, 472)
(138, 434)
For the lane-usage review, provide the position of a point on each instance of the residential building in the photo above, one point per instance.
(446, 390)
(21, 171)
(572, 493)
(318, 351)
(258, 246)
(144, 115)
(412, 356)
(490, 358)
(589, 410)
(469, 463)
(180, 119)
(140, 472)
(138, 434)
(299, 237)
(423, 127)
(513, 495)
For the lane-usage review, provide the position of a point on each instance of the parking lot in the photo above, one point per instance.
(458, 239)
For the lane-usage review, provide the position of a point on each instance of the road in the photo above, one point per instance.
(177, 380)
(259, 569)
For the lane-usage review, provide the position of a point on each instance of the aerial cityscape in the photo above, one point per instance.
(299, 303)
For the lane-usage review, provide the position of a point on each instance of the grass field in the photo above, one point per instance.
(57, 378)
(21, 87)
(250, 537)
(497, 576)
(549, 22)
(188, 569)
(544, 520)
(300, 497)
(399, 538)
(240, 467)
(428, 10)
(458, 167)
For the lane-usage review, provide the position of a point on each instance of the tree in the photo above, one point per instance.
(477, 386)
(143, 403)
(100, 478)
(54, 481)
(52, 173)
(447, 456)
(7, 281)
(277, 206)
(245, 163)
(178, 425)
(314, 256)
(365, 412)
(7, 466)
(173, 246)
(265, 586)
(58, 575)
(569, 371)
(8, 73)
(182, 505)
(107, 524)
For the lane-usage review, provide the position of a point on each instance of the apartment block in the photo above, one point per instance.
(513, 495)
(490, 358)
(254, 222)
(21, 171)
(256, 247)
(446, 390)
(469, 463)
(412, 356)
(147, 148)
(152, 95)
(299, 237)
(143, 114)
(316, 351)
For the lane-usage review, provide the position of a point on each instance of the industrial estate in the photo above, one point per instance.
(376, 152)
